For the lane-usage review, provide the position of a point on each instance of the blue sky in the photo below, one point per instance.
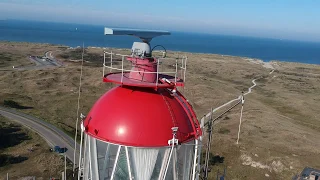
(284, 19)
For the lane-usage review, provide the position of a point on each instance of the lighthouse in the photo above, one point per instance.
(144, 128)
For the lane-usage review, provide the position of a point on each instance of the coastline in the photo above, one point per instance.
(250, 59)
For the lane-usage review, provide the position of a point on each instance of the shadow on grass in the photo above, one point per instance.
(213, 159)
(11, 136)
(13, 104)
(8, 159)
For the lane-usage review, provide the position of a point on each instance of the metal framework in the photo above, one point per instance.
(180, 65)
(168, 160)
(209, 124)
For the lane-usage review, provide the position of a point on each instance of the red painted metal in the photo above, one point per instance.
(116, 78)
(189, 108)
(136, 116)
(144, 66)
(191, 114)
(142, 111)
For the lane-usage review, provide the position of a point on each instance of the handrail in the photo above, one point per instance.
(104, 62)
(127, 70)
(122, 69)
(158, 62)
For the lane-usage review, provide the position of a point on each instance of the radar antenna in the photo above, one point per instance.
(141, 49)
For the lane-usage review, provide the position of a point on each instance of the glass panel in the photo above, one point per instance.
(175, 163)
(86, 157)
(164, 162)
(184, 161)
(146, 163)
(89, 158)
(122, 172)
(169, 175)
(93, 158)
(159, 162)
(109, 161)
(102, 148)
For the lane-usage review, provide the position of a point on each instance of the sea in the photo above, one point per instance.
(74, 35)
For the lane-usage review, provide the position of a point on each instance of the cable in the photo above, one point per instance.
(79, 95)
(210, 128)
(213, 120)
(165, 50)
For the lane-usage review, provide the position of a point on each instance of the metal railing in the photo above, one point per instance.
(111, 59)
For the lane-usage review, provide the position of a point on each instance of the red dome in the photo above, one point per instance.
(135, 116)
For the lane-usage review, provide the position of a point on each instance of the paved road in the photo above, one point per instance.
(47, 131)
(52, 59)
(48, 62)
(51, 134)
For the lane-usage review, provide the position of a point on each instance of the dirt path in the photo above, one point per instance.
(269, 66)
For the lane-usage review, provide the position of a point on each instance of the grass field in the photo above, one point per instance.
(281, 125)
(24, 153)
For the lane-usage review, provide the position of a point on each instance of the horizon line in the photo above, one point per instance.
(180, 31)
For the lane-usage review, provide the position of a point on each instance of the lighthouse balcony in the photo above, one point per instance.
(153, 72)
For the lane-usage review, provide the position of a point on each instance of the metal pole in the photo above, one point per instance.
(79, 95)
(7, 176)
(158, 63)
(195, 160)
(122, 69)
(185, 68)
(182, 68)
(104, 63)
(128, 158)
(111, 61)
(80, 158)
(62, 176)
(65, 166)
(175, 75)
(213, 120)
(210, 127)
(218, 175)
(242, 103)
(174, 164)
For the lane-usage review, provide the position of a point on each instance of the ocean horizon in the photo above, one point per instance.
(74, 35)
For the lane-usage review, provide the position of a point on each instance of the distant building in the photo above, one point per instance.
(308, 174)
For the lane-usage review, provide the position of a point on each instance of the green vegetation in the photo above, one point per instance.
(24, 153)
(14, 104)
(5, 58)
(9, 159)
(10, 136)
(90, 58)
(224, 131)
(76, 54)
